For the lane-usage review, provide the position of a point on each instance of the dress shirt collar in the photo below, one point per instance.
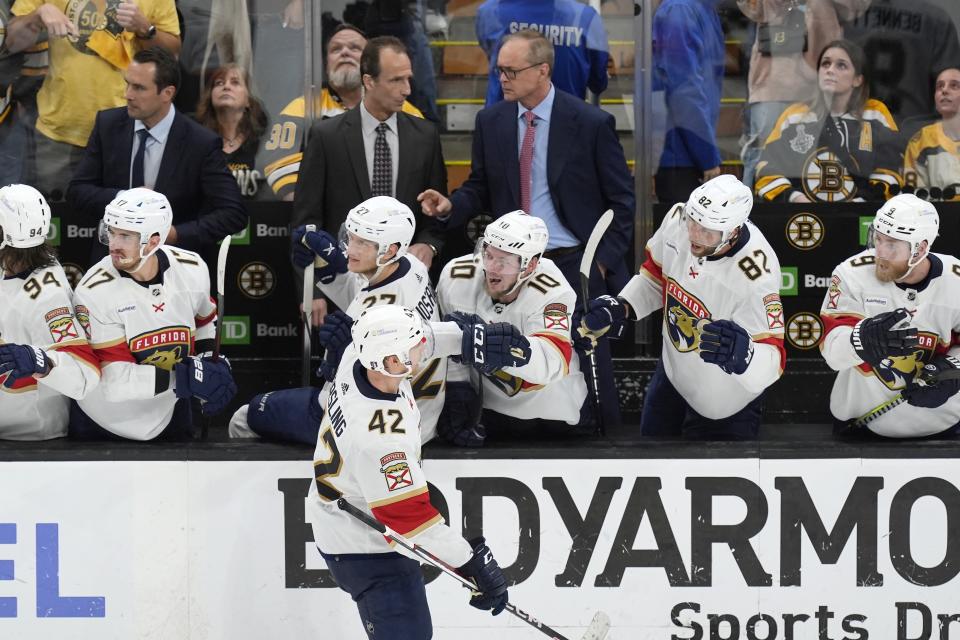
(542, 110)
(161, 130)
(369, 123)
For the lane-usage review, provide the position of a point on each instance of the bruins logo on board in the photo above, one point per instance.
(256, 280)
(805, 231)
(73, 272)
(91, 16)
(476, 227)
(681, 316)
(826, 179)
(161, 348)
(804, 330)
(895, 372)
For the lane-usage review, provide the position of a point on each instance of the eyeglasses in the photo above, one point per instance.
(512, 73)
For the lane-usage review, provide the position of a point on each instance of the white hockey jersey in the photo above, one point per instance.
(854, 294)
(139, 332)
(550, 386)
(36, 309)
(743, 286)
(409, 286)
(368, 452)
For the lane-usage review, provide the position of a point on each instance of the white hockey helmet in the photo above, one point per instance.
(24, 217)
(907, 217)
(383, 220)
(390, 330)
(142, 210)
(721, 204)
(517, 233)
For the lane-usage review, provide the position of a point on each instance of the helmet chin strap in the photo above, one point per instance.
(911, 265)
(143, 259)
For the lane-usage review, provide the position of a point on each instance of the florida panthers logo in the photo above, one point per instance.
(897, 371)
(682, 314)
(826, 179)
(162, 348)
(511, 385)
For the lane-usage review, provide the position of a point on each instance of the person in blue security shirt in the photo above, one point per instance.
(688, 61)
(575, 30)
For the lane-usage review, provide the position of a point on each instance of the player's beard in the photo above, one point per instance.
(888, 271)
(346, 77)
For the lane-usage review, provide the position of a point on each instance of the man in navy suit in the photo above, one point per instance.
(573, 169)
(148, 143)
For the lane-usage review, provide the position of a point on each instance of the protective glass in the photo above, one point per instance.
(497, 260)
(118, 237)
(358, 247)
(887, 248)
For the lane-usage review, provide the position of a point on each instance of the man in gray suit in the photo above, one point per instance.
(374, 149)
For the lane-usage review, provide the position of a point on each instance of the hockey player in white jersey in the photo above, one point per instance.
(368, 266)
(44, 357)
(717, 280)
(508, 282)
(368, 452)
(892, 310)
(147, 311)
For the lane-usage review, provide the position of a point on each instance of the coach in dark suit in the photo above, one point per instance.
(148, 143)
(573, 169)
(374, 149)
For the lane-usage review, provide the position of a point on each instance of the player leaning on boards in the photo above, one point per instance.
(146, 309)
(44, 358)
(718, 280)
(368, 452)
(891, 309)
(368, 266)
(530, 374)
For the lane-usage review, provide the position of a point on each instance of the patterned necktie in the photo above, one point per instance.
(137, 180)
(526, 160)
(382, 182)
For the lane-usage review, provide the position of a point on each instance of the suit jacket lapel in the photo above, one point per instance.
(171, 152)
(353, 134)
(506, 132)
(564, 124)
(408, 152)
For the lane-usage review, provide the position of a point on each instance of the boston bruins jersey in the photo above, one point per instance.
(830, 160)
(742, 286)
(36, 309)
(854, 294)
(283, 148)
(368, 452)
(932, 159)
(139, 332)
(409, 286)
(550, 386)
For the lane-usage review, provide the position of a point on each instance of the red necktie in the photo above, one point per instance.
(526, 161)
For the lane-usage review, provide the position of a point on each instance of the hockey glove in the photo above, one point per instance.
(459, 422)
(604, 314)
(727, 345)
(207, 380)
(321, 249)
(465, 321)
(491, 347)
(483, 570)
(334, 335)
(936, 383)
(884, 335)
(22, 360)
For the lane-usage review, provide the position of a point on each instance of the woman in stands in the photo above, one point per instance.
(228, 108)
(840, 147)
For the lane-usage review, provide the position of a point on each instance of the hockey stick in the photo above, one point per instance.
(598, 626)
(925, 379)
(306, 315)
(586, 263)
(218, 336)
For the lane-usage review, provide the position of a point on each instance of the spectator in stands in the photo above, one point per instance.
(356, 155)
(783, 59)
(228, 109)
(907, 44)
(557, 158)
(840, 147)
(932, 159)
(688, 64)
(149, 143)
(576, 30)
(88, 53)
(45, 358)
(283, 148)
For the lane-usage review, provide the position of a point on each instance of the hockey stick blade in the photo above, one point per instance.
(590, 252)
(598, 626)
(221, 288)
(306, 316)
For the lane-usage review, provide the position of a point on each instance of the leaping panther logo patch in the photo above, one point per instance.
(162, 348)
(682, 314)
(897, 371)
